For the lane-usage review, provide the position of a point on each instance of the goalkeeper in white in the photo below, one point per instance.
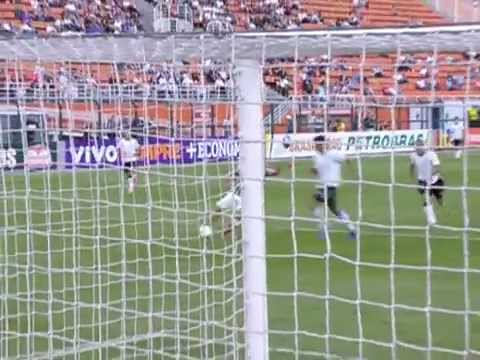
(425, 165)
(328, 168)
(230, 202)
(129, 149)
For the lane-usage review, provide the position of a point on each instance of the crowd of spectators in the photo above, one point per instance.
(164, 80)
(390, 78)
(310, 78)
(121, 16)
(261, 15)
(76, 16)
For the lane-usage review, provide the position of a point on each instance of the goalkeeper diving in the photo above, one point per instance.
(328, 168)
(231, 203)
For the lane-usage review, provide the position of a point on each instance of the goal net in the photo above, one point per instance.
(210, 243)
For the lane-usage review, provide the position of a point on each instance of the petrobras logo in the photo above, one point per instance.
(302, 145)
(378, 141)
(93, 154)
(213, 149)
(8, 158)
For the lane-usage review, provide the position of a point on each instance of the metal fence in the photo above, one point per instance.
(110, 93)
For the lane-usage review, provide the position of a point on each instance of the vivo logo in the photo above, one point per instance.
(94, 154)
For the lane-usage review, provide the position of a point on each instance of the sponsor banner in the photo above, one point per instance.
(38, 157)
(473, 136)
(368, 142)
(8, 158)
(93, 152)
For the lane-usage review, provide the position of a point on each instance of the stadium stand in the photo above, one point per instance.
(63, 16)
(380, 80)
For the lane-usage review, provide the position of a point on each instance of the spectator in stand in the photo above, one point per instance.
(377, 72)
(400, 78)
(391, 91)
(406, 63)
(353, 20)
(455, 82)
(284, 86)
(6, 28)
(425, 84)
(322, 92)
(369, 122)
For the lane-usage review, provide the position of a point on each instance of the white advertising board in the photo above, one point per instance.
(368, 142)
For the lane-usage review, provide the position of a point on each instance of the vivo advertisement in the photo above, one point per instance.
(99, 152)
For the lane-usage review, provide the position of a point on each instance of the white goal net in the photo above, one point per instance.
(208, 239)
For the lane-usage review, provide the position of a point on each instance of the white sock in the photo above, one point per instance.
(130, 184)
(319, 213)
(345, 219)
(458, 154)
(431, 218)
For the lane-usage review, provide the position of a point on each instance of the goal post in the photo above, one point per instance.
(90, 269)
(252, 171)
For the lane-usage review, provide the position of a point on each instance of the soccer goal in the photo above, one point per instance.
(157, 199)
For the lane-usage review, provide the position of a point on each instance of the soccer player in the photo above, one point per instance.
(328, 168)
(129, 149)
(231, 201)
(456, 135)
(425, 165)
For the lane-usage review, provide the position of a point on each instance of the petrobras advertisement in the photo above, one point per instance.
(99, 152)
(368, 142)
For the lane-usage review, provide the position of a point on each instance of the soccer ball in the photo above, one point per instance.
(205, 231)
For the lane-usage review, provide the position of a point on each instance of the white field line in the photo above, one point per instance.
(398, 233)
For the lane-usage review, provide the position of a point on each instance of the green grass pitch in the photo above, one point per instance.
(88, 269)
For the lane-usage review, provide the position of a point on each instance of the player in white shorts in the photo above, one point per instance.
(129, 150)
(456, 136)
(328, 168)
(230, 203)
(425, 165)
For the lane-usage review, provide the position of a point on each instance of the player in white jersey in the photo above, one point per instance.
(129, 151)
(230, 202)
(328, 168)
(456, 136)
(425, 165)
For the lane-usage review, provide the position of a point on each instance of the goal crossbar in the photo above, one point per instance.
(246, 45)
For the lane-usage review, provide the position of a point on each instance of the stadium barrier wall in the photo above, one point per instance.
(100, 152)
(473, 137)
(33, 157)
